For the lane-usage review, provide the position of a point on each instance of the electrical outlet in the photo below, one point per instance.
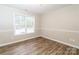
(73, 40)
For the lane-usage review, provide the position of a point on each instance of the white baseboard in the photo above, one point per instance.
(61, 42)
(1, 45)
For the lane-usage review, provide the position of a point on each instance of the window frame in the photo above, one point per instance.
(14, 20)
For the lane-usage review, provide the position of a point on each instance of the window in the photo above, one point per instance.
(24, 24)
(29, 21)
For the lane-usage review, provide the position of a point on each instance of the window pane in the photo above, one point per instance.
(30, 24)
(20, 24)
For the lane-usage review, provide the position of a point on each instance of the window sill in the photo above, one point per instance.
(23, 34)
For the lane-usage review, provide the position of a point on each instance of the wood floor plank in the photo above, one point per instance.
(38, 46)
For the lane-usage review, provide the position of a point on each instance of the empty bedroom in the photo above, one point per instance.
(39, 29)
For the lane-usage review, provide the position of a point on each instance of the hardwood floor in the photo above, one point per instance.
(38, 46)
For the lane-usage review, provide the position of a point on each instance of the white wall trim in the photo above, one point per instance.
(62, 30)
(1, 45)
(61, 42)
(8, 30)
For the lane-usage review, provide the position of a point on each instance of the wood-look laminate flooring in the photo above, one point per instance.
(38, 46)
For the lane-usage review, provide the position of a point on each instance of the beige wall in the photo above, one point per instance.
(7, 26)
(62, 25)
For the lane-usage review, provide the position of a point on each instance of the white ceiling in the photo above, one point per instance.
(38, 8)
